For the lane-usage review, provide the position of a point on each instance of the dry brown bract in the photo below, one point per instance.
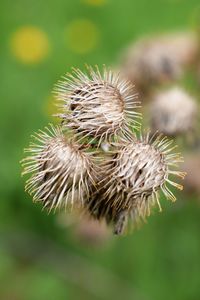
(159, 59)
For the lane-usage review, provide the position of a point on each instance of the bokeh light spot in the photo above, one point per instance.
(29, 45)
(82, 36)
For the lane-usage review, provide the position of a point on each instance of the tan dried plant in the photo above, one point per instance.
(98, 105)
(131, 180)
(60, 169)
(173, 112)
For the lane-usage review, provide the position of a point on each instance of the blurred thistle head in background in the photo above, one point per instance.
(160, 59)
(115, 182)
(184, 47)
(173, 112)
(192, 166)
(131, 179)
(97, 105)
(148, 62)
(60, 170)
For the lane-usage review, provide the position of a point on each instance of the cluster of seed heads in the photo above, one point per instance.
(67, 163)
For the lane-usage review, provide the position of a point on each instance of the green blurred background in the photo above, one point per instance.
(39, 257)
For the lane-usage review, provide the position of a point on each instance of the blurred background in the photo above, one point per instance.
(58, 256)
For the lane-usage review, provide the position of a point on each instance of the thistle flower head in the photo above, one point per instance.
(173, 112)
(132, 177)
(97, 105)
(60, 170)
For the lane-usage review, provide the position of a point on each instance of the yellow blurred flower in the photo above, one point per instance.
(29, 45)
(95, 2)
(82, 36)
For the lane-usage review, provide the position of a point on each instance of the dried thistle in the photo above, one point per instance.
(132, 178)
(60, 169)
(173, 112)
(97, 105)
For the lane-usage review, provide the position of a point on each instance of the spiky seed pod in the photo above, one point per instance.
(148, 62)
(132, 178)
(60, 170)
(97, 105)
(173, 112)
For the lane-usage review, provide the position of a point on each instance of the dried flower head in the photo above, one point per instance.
(173, 112)
(97, 105)
(149, 62)
(60, 170)
(131, 179)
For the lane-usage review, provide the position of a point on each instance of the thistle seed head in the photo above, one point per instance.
(182, 46)
(173, 112)
(131, 179)
(60, 170)
(97, 105)
(149, 62)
